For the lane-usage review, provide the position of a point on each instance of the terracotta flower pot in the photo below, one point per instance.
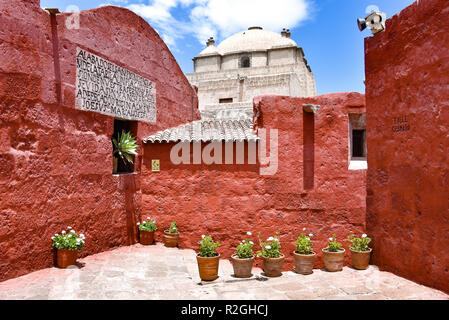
(333, 261)
(171, 239)
(208, 267)
(146, 237)
(273, 266)
(360, 259)
(242, 267)
(304, 263)
(65, 258)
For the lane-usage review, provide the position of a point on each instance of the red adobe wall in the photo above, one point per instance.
(226, 201)
(408, 142)
(56, 161)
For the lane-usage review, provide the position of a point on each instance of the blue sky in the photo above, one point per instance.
(325, 29)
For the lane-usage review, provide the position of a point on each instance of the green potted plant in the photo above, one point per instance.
(271, 255)
(147, 230)
(208, 258)
(171, 236)
(360, 252)
(304, 255)
(242, 260)
(333, 255)
(125, 147)
(67, 244)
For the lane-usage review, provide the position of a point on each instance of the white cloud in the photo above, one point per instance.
(115, 2)
(170, 41)
(158, 12)
(219, 18)
(230, 16)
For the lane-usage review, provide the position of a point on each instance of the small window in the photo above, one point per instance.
(245, 62)
(120, 166)
(358, 143)
(226, 100)
(357, 136)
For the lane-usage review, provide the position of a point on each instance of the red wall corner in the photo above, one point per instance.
(408, 103)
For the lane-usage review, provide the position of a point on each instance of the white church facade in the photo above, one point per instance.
(247, 64)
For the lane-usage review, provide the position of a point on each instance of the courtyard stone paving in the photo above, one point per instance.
(156, 272)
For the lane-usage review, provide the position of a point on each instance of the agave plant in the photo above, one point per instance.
(125, 146)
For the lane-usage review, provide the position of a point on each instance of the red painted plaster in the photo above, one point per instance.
(56, 161)
(408, 201)
(226, 201)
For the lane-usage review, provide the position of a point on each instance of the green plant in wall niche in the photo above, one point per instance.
(125, 146)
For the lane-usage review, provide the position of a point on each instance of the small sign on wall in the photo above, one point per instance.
(402, 123)
(156, 165)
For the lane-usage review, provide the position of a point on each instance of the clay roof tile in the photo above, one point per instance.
(207, 130)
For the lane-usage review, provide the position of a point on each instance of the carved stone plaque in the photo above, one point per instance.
(106, 88)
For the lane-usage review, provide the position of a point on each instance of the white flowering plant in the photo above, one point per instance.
(245, 248)
(333, 245)
(149, 225)
(68, 239)
(208, 248)
(271, 248)
(304, 243)
(359, 244)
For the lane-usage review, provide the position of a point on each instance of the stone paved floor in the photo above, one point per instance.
(156, 272)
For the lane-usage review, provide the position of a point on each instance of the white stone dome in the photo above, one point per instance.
(209, 51)
(254, 39)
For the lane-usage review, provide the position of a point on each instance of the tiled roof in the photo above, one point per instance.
(207, 130)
